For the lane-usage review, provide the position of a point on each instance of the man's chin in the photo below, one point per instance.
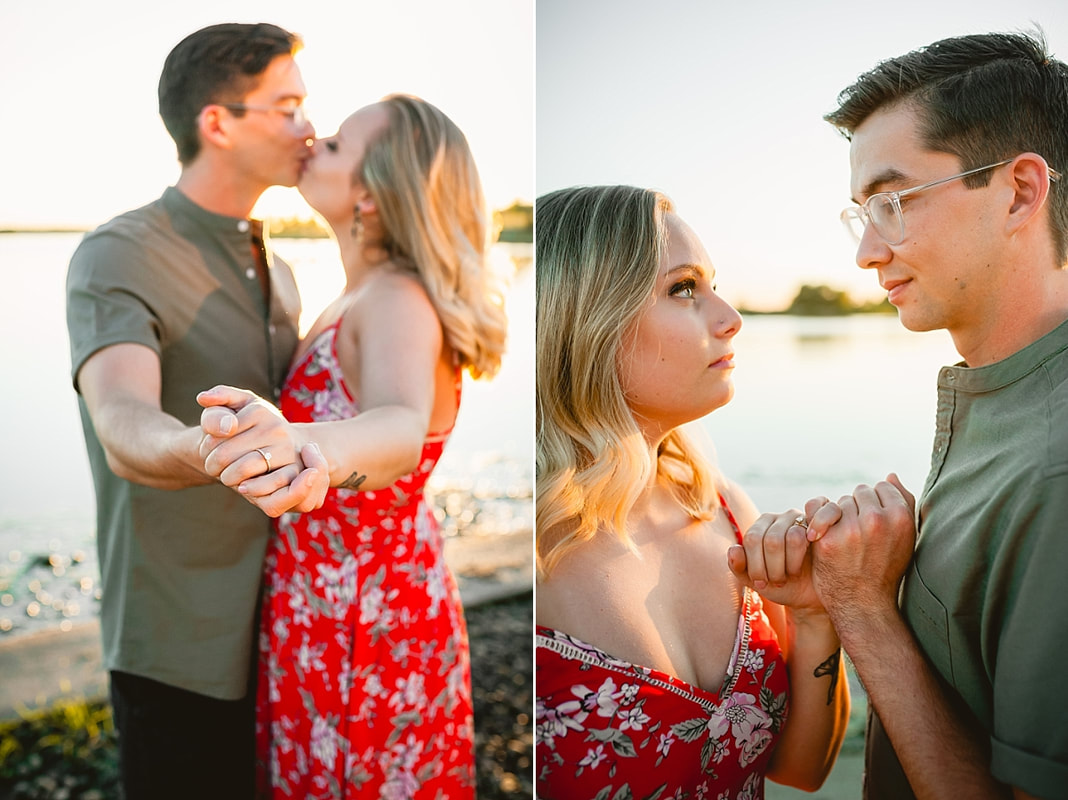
(917, 323)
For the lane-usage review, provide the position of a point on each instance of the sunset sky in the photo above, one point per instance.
(719, 105)
(82, 139)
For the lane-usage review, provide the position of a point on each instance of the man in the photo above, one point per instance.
(957, 152)
(164, 301)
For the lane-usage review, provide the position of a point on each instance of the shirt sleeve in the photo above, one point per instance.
(107, 301)
(1030, 733)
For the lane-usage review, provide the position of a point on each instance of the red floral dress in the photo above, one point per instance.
(610, 729)
(364, 677)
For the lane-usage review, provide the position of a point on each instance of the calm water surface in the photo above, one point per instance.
(48, 569)
(824, 404)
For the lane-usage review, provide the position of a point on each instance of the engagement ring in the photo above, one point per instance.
(266, 457)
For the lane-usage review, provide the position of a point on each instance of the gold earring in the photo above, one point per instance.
(357, 222)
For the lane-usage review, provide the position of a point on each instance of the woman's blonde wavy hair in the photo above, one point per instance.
(426, 186)
(598, 254)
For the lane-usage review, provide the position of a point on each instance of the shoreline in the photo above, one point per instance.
(50, 578)
(43, 666)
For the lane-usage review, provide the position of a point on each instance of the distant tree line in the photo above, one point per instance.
(825, 301)
(514, 223)
(296, 228)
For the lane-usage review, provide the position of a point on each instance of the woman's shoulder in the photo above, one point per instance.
(389, 294)
(738, 502)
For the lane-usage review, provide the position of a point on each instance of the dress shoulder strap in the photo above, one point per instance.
(730, 517)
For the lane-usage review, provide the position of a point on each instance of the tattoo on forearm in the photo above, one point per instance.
(354, 481)
(830, 667)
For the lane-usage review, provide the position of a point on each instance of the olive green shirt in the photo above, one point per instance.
(987, 593)
(181, 569)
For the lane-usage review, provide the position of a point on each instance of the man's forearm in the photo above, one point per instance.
(941, 755)
(147, 446)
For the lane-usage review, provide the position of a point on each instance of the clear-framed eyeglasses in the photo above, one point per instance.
(295, 113)
(883, 210)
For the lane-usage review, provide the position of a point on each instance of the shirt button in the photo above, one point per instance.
(277, 393)
(250, 273)
(242, 226)
(272, 329)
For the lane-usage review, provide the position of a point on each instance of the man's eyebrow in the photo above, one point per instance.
(876, 184)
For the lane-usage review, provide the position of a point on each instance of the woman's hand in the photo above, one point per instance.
(290, 488)
(775, 559)
(251, 448)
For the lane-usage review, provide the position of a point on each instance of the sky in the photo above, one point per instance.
(82, 139)
(716, 103)
(720, 104)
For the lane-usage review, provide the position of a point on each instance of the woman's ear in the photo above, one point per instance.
(1031, 179)
(366, 206)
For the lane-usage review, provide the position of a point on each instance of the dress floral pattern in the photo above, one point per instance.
(364, 677)
(609, 729)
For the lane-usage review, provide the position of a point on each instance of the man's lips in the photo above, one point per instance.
(895, 288)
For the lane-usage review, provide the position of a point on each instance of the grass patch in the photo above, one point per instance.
(65, 752)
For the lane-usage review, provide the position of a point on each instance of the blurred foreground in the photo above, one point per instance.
(68, 752)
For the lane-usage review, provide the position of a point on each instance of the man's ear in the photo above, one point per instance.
(213, 124)
(1030, 181)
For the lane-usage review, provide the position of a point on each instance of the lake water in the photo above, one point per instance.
(821, 405)
(48, 568)
(824, 404)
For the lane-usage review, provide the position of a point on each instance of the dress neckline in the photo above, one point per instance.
(574, 647)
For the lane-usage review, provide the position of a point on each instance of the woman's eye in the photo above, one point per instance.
(331, 146)
(684, 289)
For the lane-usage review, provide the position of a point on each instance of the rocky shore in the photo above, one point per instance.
(57, 742)
(502, 680)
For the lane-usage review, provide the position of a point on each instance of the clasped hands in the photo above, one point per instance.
(248, 446)
(847, 560)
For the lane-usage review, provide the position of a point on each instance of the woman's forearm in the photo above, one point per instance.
(819, 702)
(372, 450)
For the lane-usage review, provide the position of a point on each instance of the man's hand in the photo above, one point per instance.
(858, 561)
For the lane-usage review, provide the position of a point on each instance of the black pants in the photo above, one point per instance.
(175, 743)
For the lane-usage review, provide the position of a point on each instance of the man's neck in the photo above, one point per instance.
(1021, 315)
(218, 190)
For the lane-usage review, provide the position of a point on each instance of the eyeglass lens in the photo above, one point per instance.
(883, 213)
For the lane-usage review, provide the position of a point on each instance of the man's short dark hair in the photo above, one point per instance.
(983, 98)
(218, 64)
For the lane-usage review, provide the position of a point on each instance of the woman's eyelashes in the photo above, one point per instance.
(686, 288)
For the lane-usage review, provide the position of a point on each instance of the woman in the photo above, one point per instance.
(658, 672)
(364, 678)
